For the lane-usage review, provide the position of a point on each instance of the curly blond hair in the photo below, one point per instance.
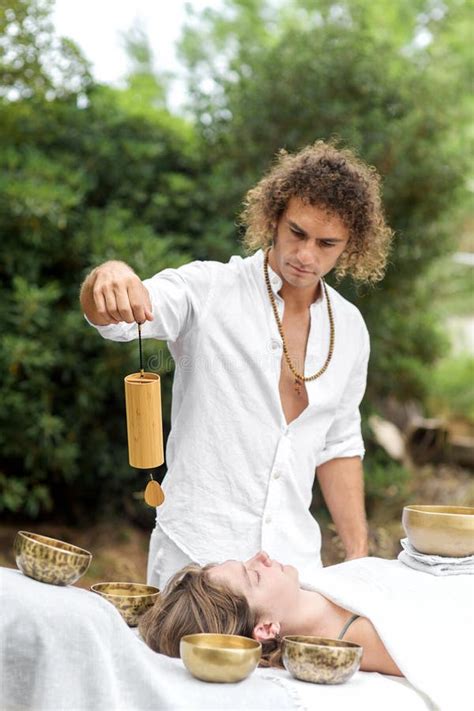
(191, 603)
(336, 180)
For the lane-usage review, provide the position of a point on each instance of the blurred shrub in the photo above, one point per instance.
(82, 180)
(451, 392)
(385, 479)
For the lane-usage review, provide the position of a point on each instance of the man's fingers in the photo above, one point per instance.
(120, 297)
(140, 302)
(101, 304)
(123, 305)
(99, 301)
(137, 307)
(111, 305)
(148, 306)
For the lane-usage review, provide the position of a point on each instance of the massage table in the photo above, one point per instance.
(65, 648)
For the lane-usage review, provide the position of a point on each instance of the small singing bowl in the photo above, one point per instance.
(440, 530)
(50, 560)
(219, 657)
(130, 599)
(319, 659)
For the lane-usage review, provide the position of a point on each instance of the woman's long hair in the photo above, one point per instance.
(192, 603)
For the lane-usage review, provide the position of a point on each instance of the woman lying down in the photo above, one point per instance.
(261, 599)
(408, 622)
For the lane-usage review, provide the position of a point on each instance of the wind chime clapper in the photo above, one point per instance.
(144, 425)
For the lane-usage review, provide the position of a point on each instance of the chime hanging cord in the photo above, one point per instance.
(140, 347)
(142, 373)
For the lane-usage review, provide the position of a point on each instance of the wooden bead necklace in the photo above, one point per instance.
(299, 378)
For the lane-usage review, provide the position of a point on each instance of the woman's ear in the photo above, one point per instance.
(264, 631)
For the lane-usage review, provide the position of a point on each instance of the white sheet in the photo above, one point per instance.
(66, 649)
(426, 622)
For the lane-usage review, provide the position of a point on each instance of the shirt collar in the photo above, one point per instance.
(276, 281)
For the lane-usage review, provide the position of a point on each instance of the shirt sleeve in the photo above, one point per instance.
(344, 437)
(178, 297)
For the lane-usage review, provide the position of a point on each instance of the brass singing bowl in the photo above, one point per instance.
(319, 659)
(132, 600)
(440, 530)
(49, 560)
(219, 657)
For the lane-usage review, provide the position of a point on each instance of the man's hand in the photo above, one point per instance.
(112, 293)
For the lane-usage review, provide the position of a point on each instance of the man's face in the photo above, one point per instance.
(269, 587)
(307, 245)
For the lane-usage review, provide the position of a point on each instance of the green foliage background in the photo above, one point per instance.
(90, 173)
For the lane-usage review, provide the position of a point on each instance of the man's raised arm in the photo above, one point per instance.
(112, 292)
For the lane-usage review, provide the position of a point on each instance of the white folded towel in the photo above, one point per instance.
(435, 564)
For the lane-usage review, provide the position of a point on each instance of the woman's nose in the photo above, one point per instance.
(261, 557)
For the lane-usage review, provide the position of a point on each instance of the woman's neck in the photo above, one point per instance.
(315, 615)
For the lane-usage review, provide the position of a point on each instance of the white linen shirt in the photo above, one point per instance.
(239, 477)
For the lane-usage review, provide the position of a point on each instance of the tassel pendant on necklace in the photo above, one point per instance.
(298, 386)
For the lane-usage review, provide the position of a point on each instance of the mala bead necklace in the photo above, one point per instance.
(299, 377)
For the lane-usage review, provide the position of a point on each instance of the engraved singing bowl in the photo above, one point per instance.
(219, 657)
(49, 560)
(319, 659)
(132, 600)
(440, 530)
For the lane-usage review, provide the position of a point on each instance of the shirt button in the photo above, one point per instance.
(275, 344)
(275, 280)
(276, 475)
(268, 519)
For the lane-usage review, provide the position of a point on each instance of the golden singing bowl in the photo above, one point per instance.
(219, 657)
(130, 599)
(319, 659)
(48, 559)
(440, 530)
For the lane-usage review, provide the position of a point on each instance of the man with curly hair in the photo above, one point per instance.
(271, 367)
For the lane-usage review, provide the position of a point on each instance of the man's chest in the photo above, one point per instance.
(295, 331)
(239, 348)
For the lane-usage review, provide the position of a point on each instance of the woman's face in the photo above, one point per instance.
(270, 588)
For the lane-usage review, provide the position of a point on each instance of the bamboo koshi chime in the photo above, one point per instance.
(144, 425)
